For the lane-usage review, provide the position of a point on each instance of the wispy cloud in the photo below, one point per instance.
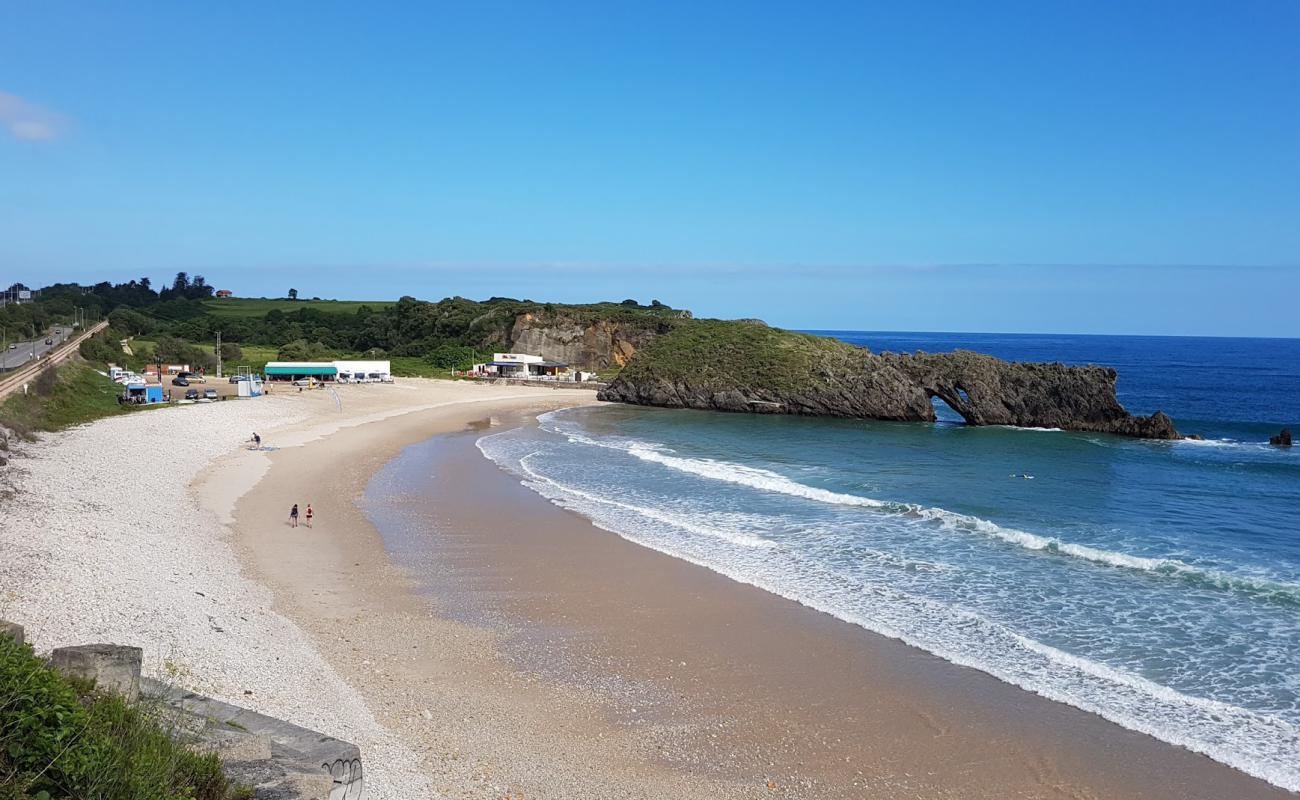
(28, 121)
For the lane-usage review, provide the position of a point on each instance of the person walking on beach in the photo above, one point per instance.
(309, 515)
(293, 516)
(257, 441)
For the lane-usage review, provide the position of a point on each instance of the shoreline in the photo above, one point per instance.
(765, 690)
(554, 591)
(590, 666)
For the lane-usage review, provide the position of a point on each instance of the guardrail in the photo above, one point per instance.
(58, 355)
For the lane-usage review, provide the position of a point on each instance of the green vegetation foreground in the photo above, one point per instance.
(60, 738)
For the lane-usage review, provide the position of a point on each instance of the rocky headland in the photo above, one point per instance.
(749, 367)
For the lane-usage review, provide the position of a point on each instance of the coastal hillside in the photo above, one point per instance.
(181, 323)
(749, 367)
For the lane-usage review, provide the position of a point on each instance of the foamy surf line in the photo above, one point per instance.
(768, 481)
(1258, 744)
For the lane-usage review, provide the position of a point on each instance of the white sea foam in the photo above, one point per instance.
(661, 515)
(1257, 743)
(753, 477)
(769, 481)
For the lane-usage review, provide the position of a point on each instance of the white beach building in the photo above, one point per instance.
(523, 365)
(341, 371)
(364, 371)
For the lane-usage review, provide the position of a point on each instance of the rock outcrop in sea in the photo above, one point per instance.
(737, 366)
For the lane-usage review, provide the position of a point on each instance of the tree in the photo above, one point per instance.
(199, 289)
(181, 284)
(453, 356)
(629, 302)
(231, 351)
(293, 294)
(302, 350)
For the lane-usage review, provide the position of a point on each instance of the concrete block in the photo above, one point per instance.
(13, 629)
(114, 668)
(287, 776)
(233, 745)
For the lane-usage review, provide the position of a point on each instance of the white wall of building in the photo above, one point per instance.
(366, 368)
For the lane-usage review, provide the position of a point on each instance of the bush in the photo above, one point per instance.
(453, 356)
(44, 383)
(302, 350)
(131, 322)
(102, 348)
(231, 352)
(59, 738)
(173, 350)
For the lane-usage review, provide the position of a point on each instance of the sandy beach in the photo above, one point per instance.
(496, 645)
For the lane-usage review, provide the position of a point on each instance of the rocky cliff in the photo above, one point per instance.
(588, 341)
(737, 366)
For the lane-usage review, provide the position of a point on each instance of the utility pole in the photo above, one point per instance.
(218, 355)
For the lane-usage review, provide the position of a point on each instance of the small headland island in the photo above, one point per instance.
(747, 366)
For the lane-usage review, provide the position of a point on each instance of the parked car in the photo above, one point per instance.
(304, 382)
(13, 346)
(191, 394)
(210, 394)
(180, 380)
(238, 378)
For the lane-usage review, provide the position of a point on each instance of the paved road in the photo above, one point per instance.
(12, 358)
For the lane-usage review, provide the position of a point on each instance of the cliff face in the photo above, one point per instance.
(728, 366)
(587, 343)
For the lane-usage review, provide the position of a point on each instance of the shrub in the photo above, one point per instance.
(452, 356)
(45, 382)
(59, 738)
(302, 350)
(102, 348)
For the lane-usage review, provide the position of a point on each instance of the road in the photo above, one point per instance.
(12, 358)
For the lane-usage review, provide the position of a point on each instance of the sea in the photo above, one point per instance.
(1154, 583)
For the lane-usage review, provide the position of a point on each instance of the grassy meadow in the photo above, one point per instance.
(253, 307)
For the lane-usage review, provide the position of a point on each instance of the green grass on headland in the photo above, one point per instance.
(62, 740)
(250, 307)
(724, 354)
(74, 393)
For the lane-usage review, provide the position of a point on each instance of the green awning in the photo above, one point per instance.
(303, 370)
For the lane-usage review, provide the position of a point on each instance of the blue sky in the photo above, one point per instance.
(1062, 166)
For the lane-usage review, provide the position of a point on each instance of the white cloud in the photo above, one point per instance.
(29, 122)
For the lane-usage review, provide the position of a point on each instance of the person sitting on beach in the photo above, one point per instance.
(293, 516)
(309, 515)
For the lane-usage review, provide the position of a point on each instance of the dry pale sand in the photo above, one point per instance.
(538, 656)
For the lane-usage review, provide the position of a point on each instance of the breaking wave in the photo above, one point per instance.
(768, 481)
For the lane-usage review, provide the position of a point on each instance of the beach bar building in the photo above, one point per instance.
(364, 371)
(344, 371)
(298, 370)
(522, 365)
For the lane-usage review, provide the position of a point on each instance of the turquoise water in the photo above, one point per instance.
(1154, 583)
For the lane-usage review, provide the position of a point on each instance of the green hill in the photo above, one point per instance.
(249, 307)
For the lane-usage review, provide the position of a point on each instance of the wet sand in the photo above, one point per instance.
(524, 652)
